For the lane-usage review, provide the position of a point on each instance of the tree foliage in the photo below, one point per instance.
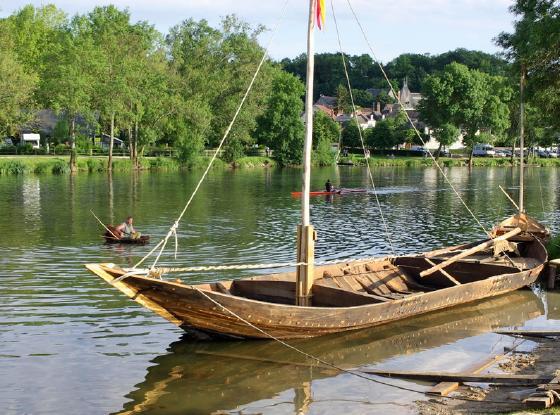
(467, 98)
(281, 127)
(534, 47)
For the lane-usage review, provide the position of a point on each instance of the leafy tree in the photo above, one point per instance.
(68, 81)
(382, 135)
(325, 132)
(281, 127)
(533, 49)
(16, 93)
(351, 134)
(445, 134)
(470, 99)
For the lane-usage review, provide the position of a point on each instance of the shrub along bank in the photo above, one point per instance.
(14, 165)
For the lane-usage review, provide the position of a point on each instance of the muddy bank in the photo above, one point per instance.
(475, 399)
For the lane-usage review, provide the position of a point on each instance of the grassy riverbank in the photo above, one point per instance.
(377, 161)
(14, 165)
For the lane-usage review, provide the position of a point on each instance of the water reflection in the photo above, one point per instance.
(67, 338)
(227, 376)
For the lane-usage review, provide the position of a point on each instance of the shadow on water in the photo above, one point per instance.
(224, 376)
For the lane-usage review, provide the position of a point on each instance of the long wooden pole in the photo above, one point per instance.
(306, 186)
(521, 138)
(468, 252)
(306, 233)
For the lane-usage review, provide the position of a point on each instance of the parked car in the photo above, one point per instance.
(552, 154)
(483, 150)
(542, 153)
(503, 153)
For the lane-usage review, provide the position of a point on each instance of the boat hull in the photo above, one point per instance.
(200, 310)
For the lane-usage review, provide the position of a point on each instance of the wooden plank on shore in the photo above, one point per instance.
(463, 377)
(539, 402)
(530, 333)
(445, 388)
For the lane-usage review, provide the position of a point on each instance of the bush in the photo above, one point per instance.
(12, 167)
(41, 168)
(256, 161)
(234, 150)
(60, 167)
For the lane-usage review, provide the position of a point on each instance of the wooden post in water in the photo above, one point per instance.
(306, 234)
(305, 253)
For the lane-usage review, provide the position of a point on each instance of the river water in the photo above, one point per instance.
(69, 343)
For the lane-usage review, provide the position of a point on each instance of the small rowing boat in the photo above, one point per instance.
(112, 236)
(334, 192)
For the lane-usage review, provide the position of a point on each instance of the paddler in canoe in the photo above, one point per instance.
(329, 187)
(126, 229)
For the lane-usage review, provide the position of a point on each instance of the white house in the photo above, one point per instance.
(31, 138)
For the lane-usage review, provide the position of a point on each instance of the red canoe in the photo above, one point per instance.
(335, 192)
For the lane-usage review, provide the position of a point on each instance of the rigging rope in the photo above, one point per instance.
(387, 234)
(158, 272)
(410, 120)
(175, 226)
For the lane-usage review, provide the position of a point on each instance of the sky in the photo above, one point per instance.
(392, 26)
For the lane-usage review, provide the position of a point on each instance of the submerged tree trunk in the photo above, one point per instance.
(73, 155)
(111, 141)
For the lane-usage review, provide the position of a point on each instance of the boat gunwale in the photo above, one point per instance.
(194, 287)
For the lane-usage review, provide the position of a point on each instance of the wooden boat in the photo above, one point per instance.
(112, 236)
(334, 192)
(347, 296)
(315, 301)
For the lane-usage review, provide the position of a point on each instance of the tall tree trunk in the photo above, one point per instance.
(136, 144)
(438, 152)
(73, 155)
(471, 156)
(111, 142)
(512, 159)
(130, 145)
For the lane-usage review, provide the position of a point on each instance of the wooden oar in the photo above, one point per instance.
(102, 224)
(471, 251)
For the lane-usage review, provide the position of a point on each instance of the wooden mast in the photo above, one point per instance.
(305, 231)
(521, 138)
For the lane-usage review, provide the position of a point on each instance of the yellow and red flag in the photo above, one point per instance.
(320, 13)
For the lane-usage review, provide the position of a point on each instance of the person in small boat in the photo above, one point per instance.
(329, 187)
(127, 230)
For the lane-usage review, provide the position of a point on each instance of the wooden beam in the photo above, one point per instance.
(444, 272)
(463, 377)
(468, 252)
(445, 388)
(530, 333)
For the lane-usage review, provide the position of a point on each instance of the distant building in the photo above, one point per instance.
(31, 138)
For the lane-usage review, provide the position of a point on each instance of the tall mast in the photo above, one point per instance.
(306, 233)
(521, 138)
(306, 186)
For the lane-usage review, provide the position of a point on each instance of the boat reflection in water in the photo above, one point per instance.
(210, 377)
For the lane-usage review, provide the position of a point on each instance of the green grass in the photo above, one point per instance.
(253, 161)
(16, 165)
